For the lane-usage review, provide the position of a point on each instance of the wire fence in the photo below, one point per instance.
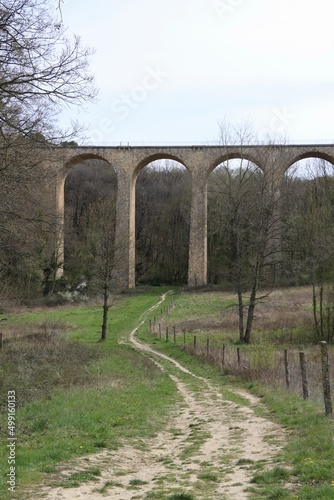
(308, 372)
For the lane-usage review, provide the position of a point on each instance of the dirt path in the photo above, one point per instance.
(210, 450)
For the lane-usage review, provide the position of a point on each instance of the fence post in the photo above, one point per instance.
(304, 375)
(194, 344)
(238, 355)
(150, 326)
(286, 364)
(223, 357)
(1, 341)
(174, 334)
(207, 347)
(184, 340)
(159, 330)
(166, 333)
(325, 378)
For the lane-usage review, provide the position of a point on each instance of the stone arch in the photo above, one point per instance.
(75, 160)
(234, 155)
(309, 154)
(154, 157)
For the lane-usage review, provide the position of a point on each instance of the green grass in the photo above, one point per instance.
(208, 476)
(87, 394)
(74, 480)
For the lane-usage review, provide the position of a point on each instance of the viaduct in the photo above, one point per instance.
(200, 161)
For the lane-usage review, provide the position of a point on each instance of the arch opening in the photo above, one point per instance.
(157, 161)
(89, 220)
(233, 201)
(307, 218)
(234, 161)
(308, 158)
(163, 199)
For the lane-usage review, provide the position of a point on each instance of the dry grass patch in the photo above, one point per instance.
(40, 359)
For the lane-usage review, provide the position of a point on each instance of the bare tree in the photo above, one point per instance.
(244, 228)
(309, 239)
(99, 246)
(41, 70)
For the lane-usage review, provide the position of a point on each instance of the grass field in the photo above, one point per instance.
(76, 395)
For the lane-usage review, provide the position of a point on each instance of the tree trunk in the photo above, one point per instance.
(252, 299)
(315, 316)
(241, 315)
(105, 313)
(250, 315)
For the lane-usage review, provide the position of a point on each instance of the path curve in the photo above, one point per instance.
(210, 451)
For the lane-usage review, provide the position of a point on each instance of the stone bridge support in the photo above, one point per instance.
(125, 272)
(59, 222)
(197, 270)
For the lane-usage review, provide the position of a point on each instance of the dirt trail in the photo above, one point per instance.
(210, 449)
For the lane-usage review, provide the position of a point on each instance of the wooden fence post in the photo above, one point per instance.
(325, 378)
(223, 357)
(159, 330)
(304, 375)
(150, 326)
(286, 364)
(194, 344)
(184, 340)
(174, 334)
(166, 333)
(207, 347)
(238, 355)
(1, 341)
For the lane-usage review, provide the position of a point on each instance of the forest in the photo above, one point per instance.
(294, 229)
(302, 213)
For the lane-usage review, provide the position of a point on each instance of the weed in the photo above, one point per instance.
(137, 482)
(245, 461)
(75, 479)
(107, 485)
(208, 476)
(181, 496)
(276, 475)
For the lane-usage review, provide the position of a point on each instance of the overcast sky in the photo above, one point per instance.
(170, 70)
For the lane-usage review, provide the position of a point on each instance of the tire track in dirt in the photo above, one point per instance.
(210, 449)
